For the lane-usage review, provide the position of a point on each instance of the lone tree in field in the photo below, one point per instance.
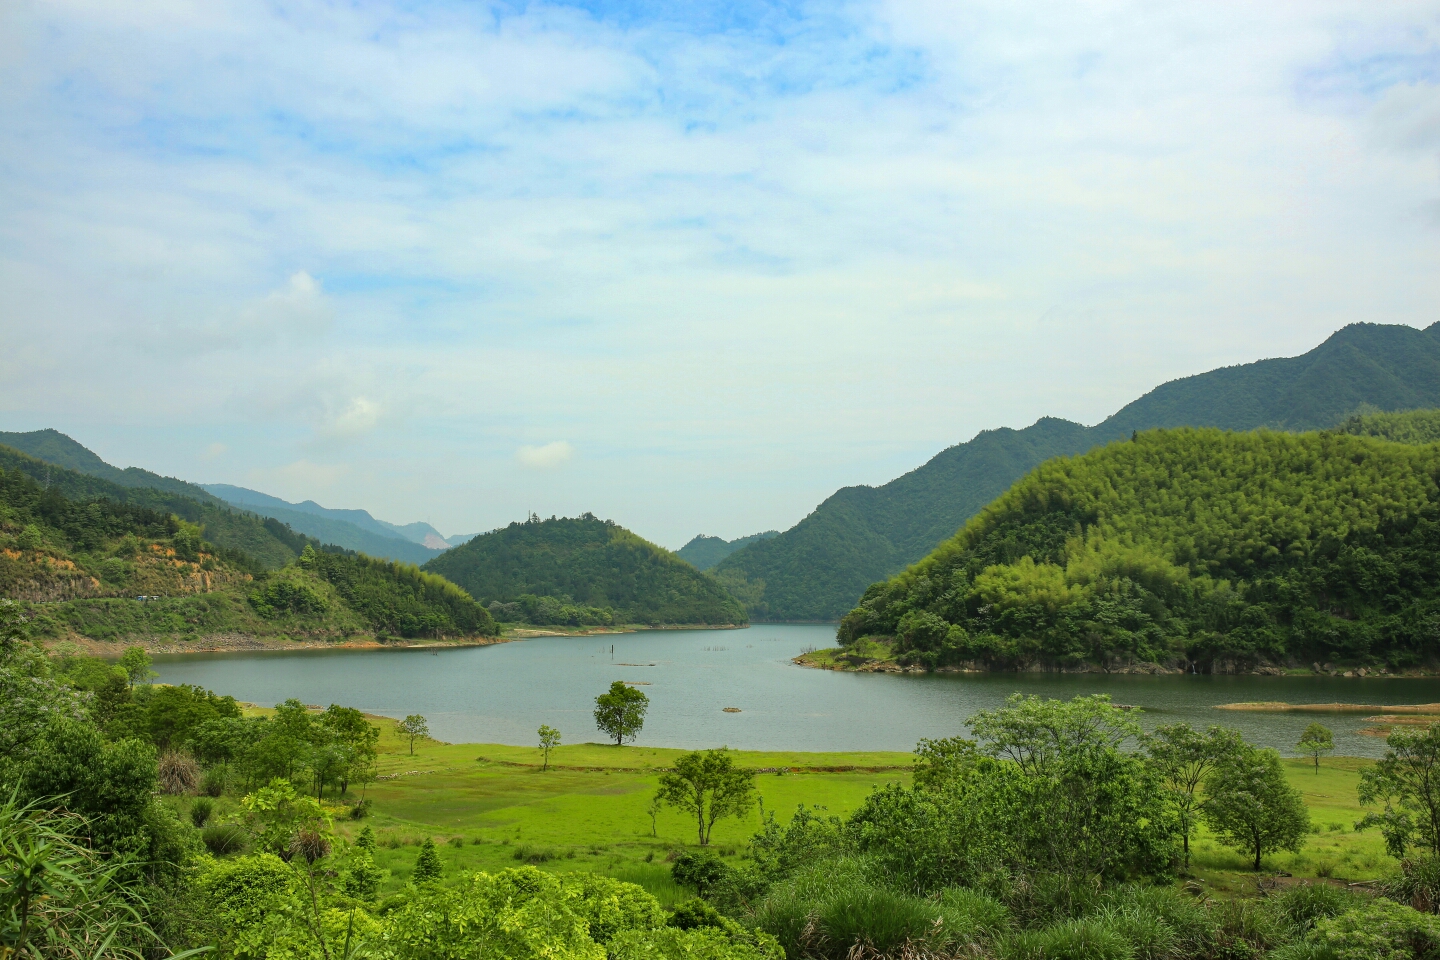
(708, 786)
(1184, 757)
(427, 866)
(1252, 807)
(549, 740)
(1315, 741)
(414, 727)
(620, 712)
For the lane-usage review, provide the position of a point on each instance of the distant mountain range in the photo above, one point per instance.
(704, 552)
(414, 543)
(819, 568)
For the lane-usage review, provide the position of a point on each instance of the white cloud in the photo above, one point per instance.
(545, 457)
(792, 254)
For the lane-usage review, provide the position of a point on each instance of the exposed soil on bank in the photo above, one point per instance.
(242, 642)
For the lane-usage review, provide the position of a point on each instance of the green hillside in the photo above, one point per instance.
(817, 569)
(268, 542)
(586, 563)
(1195, 545)
(1412, 426)
(704, 552)
(56, 448)
(77, 565)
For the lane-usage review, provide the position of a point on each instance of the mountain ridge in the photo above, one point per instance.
(863, 534)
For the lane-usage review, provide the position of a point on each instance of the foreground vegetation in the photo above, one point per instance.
(1186, 546)
(167, 818)
(583, 571)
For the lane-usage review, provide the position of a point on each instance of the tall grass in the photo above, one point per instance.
(655, 878)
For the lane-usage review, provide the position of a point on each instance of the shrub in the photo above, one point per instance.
(1379, 930)
(366, 839)
(528, 854)
(360, 810)
(970, 909)
(1306, 904)
(700, 871)
(223, 838)
(200, 811)
(214, 783)
(457, 842)
(177, 773)
(1194, 926)
(427, 866)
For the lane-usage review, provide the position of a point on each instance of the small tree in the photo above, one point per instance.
(708, 786)
(428, 866)
(414, 727)
(1252, 807)
(620, 712)
(1315, 741)
(136, 664)
(1407, 778)
(1184, 758)
(549, 740)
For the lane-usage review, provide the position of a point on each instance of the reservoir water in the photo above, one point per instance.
(502, 693)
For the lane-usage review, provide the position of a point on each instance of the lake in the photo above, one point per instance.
(502, 693)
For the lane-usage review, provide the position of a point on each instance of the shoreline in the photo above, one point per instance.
(250, 643)
(841, 660)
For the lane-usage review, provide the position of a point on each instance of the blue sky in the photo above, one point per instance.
(692, 267)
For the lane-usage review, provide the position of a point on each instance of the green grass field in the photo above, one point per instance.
(490, 806)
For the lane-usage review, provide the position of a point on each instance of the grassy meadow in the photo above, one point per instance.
(490, 806)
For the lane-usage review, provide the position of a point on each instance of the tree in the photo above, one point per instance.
(1184, 758)
(427, 866)
(1252, 807)
(281, 819)
(708, 786)
(620, 712)
(359, 739)
(1315, 741)
(414, 727)
(136, 664)
(1407, 777)
(549, 740)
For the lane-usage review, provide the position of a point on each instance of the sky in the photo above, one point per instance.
(691, 267)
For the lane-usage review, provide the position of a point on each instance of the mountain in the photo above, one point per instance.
(704, 552)
(246, 539)
(77, 565)
(816, 570)
(352, 529)
(592, 565)
(56, 448)
(1205, 546)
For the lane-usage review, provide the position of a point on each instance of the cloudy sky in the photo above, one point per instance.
(689, 266)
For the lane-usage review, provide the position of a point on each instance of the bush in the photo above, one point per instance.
(528, 854)
(972, 910)
(1069, 940)
(200, 811)
(360, 810)
(1304, 905)
(223, 839)
(177, 773)
(427, 865)
(1194, 926)
(699, 871)
(214, 783)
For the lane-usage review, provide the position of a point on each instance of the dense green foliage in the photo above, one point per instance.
(817, 569)
(269, 542)
(398, 598)
(1191, 545)
(1412, 426)
(704, 552)
(585, 562)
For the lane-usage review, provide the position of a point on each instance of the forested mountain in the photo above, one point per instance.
(417, 532)
(267, 542)
(329, 525)
(77, 563)
(588, 565)
(56, 448)
(1196, 544)
(704, 552)
(817, 569)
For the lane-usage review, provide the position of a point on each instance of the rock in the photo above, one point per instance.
(1315, 667)
(1348, 673)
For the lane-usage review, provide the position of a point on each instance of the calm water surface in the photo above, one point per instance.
(502, 693)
